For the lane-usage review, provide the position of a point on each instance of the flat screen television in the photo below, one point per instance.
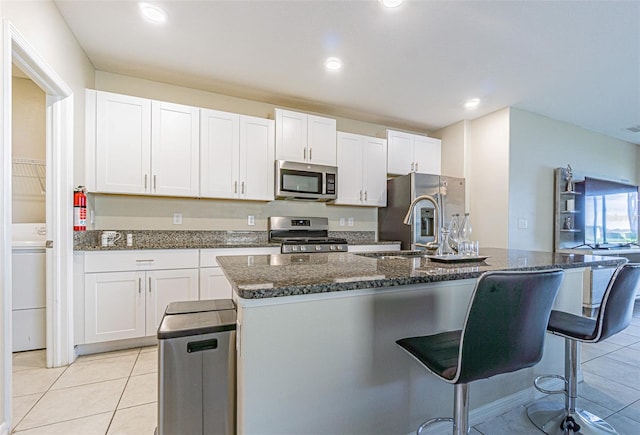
(610, 213)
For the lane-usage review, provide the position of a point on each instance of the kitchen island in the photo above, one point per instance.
(316, 338)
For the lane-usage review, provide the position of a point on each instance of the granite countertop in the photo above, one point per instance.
(201, 239)
(268, 276)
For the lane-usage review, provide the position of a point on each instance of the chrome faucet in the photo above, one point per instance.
(436, 208)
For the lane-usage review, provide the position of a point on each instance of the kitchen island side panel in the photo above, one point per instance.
(330, 365)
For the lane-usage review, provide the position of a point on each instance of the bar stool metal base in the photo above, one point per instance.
(428, 423)
(554, 419)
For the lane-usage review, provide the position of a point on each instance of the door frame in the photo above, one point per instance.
(59, 185)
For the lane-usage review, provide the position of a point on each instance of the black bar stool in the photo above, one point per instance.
(614, 315)
(503, 331)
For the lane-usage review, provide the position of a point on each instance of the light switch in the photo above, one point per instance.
(350, 222)
(177, 218)
(251, 220)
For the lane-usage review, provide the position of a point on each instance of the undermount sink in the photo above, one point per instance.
(394, 255)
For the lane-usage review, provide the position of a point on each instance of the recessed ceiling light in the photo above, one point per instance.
(153, 13)
(391, 3)
(472, 103)
(333, 64)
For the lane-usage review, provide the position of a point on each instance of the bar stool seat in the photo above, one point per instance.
(614, 315)
(503, 331)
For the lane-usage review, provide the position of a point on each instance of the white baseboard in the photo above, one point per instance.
(110, 346)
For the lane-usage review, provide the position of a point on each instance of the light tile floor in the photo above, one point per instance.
(116, 392)
(107, 393)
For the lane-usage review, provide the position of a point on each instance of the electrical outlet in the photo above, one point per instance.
(350, 222)
(251, 220)
(177, 218)
(523, 223)
(342, 222)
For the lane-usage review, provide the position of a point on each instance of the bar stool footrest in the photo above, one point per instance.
(544, 390)
(553, 419)
(428, 423)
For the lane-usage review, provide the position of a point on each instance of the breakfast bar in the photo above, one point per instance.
(316, 348)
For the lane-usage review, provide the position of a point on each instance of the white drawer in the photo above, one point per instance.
(208, 256)
(108, 261)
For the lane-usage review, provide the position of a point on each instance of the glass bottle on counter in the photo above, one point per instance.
(445, 247)
(454, 231)
(465, 229)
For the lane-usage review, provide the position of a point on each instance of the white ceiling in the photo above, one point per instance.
(411, 67)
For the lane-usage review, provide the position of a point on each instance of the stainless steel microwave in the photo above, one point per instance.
(305, 181)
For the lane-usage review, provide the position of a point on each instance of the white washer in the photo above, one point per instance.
(29, 286)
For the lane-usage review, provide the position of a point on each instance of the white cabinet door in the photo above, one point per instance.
(256, 158)
(350, 167)
(114, 306)
(123, 143)
(321, 140)
(164, 287)
(291, 136)
(305, 138)
(400, 152)
(213, 284)
(427, 155)
(175, 149)
(374, 182)
(219, 150)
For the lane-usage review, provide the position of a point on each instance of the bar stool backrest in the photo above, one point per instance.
(616, 309)
(506, 323)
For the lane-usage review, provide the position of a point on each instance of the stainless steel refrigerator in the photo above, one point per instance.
(401, 191)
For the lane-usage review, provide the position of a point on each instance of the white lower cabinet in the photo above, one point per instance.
(126, 293)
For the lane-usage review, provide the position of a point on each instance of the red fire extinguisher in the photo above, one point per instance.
(80, 209)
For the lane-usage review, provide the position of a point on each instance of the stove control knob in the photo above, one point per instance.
(332, 247)
(318, 248)
(294, 248)
(303, 248)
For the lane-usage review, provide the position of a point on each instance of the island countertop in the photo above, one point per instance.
(269, 276)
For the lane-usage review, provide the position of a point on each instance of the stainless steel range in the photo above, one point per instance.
(304, 234)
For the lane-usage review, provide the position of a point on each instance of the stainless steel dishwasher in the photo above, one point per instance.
(197, 368)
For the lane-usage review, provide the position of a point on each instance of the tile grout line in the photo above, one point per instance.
(123, 390)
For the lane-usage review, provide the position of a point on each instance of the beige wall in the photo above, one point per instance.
(28, 142)
(538, 145)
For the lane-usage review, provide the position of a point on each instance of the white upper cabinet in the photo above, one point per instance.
(305, 138)
(175, 149)
(122, 143)
(139, 146)
(236, 156)
(412, 153)
(361, 170)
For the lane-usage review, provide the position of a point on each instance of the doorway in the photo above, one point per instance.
(59, 245)
(28, 203)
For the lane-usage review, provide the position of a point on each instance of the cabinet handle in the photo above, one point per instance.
(365, 195)
(154, 182)
(310, 153)
(145, 181)
(139, 285)
(235, 187)
(242, 189)
(361, 195)
(304, 153)
(151, 260)
(149, 284)
(412, 166)
(416, 166)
